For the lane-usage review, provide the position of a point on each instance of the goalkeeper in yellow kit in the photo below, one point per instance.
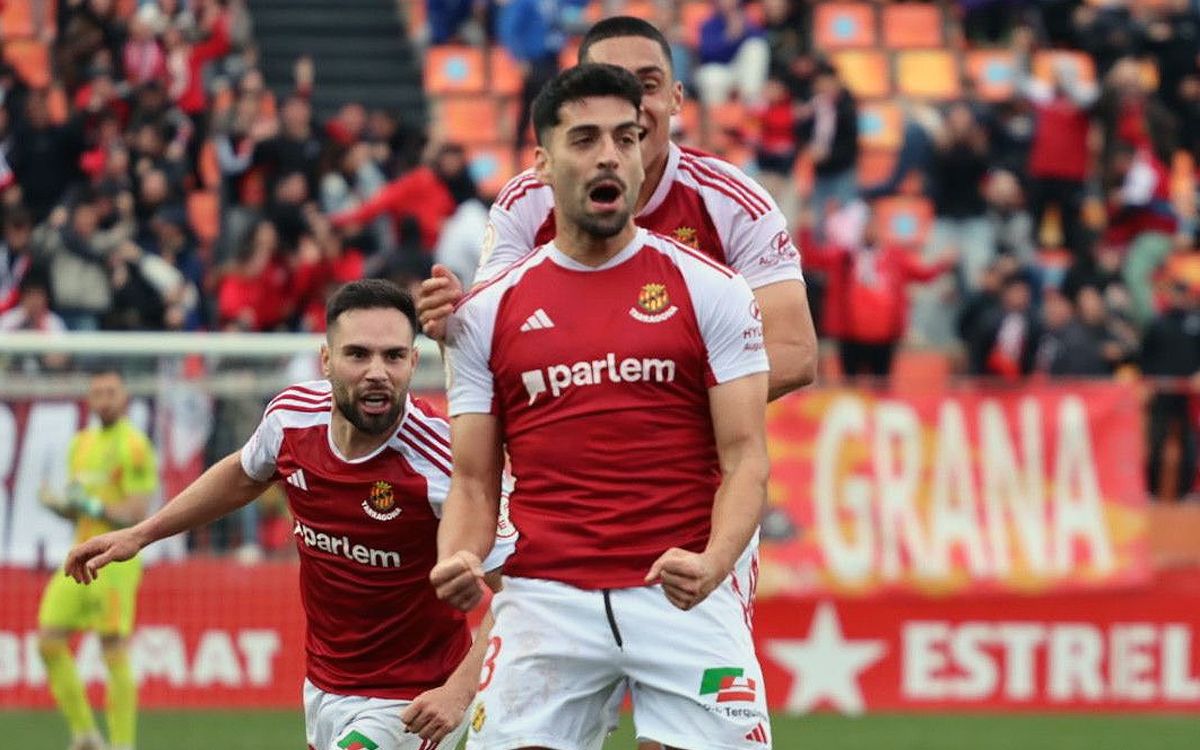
(113, 474)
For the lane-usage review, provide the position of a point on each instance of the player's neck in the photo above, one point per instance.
(588, 249)
(351, 442)
(654, 175)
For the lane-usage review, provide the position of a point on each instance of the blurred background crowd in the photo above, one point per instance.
(998, 188)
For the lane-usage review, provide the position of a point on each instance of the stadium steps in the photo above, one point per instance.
(361, 49)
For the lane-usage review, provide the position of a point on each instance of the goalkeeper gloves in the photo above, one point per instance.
(83, 504)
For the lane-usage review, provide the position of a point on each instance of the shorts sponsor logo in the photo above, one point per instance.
(356, 740)
(653, 304)
(556, 379)
(729, 684)
(341, 545)
(381, 503)
(478, 717)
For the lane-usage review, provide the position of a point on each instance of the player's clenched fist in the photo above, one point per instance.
(435, 713)
(87, 558)
(458, 580)
(687, 578)
(436, 300)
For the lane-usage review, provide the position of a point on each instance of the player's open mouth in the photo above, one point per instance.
(605, 195)
(376, 403)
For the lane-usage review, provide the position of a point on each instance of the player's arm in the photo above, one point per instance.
(223, 488)
(739, 425)
(468, 528)
(435, 713)
(789, 336)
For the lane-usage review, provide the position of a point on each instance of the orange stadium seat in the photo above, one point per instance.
(904, 220)
(994, 73)
(491, 167)
(691, 17)
(468, 119)
(865, 72)
(56, 102)
(880, 125)
(204, 214)
(844, 25)
(928, 74)
(504, 75)
(875, 165)
(569, 55)
(912, 25)
(415, 16)
(454, 70)
(31, 60)
(16, 19)
(1183, 183)
(1043, 64)
(209, 168)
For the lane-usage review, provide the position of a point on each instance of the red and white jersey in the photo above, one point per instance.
(367, 534)
(600, 379)
(701, 201)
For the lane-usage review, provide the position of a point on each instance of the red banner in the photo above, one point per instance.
(215, 634)
(972, 489)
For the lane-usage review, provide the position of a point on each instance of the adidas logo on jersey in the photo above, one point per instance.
(538, 321)
(558, 378)
(296, 479)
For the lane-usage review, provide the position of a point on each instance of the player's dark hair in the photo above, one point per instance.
(621, 26)
(578, 83)
(371, 294)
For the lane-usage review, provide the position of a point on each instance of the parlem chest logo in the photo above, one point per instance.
(653, 304)
(381, 503)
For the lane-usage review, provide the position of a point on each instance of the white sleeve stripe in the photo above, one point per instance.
(514, 183)
(529, 186)
(430, 429)
(423, 452)
(748, 196)
(704, 182)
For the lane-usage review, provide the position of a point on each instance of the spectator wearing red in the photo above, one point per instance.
(1059, 157)
(777, 146)
(143, 57)
(866, 299)
(185, 61)
(257, 294)
(428, 196)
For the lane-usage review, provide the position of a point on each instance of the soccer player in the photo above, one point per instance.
(112, 476)
(625, 374)
(695, 198)
(366, 469)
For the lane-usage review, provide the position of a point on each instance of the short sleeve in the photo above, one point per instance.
(470, 385)
(261, 452)
(513, 222)
(140, 475)
(731, 326)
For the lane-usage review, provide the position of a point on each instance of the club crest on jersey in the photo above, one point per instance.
(381, 503)
(688, 236)
(653, 304)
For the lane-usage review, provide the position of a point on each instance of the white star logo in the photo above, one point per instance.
(826, 665)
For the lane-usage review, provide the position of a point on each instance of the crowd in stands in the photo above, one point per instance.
(1035, 220)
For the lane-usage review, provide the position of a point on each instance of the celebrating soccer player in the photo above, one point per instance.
(366, 469)
(695, 198)
(113, 474)
(624, 372)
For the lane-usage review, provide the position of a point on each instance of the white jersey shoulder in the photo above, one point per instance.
(753, 231)
(299, 406)
(520, 209)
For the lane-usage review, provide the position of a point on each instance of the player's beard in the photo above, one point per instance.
(603, 226)
(368, 424)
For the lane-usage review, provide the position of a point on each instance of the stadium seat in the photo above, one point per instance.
(692, 16)
(904, 220)
(994, 73)
(928, 74)
(468, 119)
(491, 167)
(865, 72)
(875, 165)
(1183, 184)
(802, 174)
(569, 55)
(844, 25)
(504, 75)
(1043, 65)
(16, 19)
(31, 60)
(912, 25)
(56, 102)
(454, 70)
(204, 214)
(209, 168)
(880, 125)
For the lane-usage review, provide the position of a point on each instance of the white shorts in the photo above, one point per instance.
(336, 722)
(561, 658)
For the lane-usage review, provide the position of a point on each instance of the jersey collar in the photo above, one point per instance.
(565, 261)
(408, 409)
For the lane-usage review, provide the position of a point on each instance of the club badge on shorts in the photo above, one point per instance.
(356, 740)
(478, 717)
